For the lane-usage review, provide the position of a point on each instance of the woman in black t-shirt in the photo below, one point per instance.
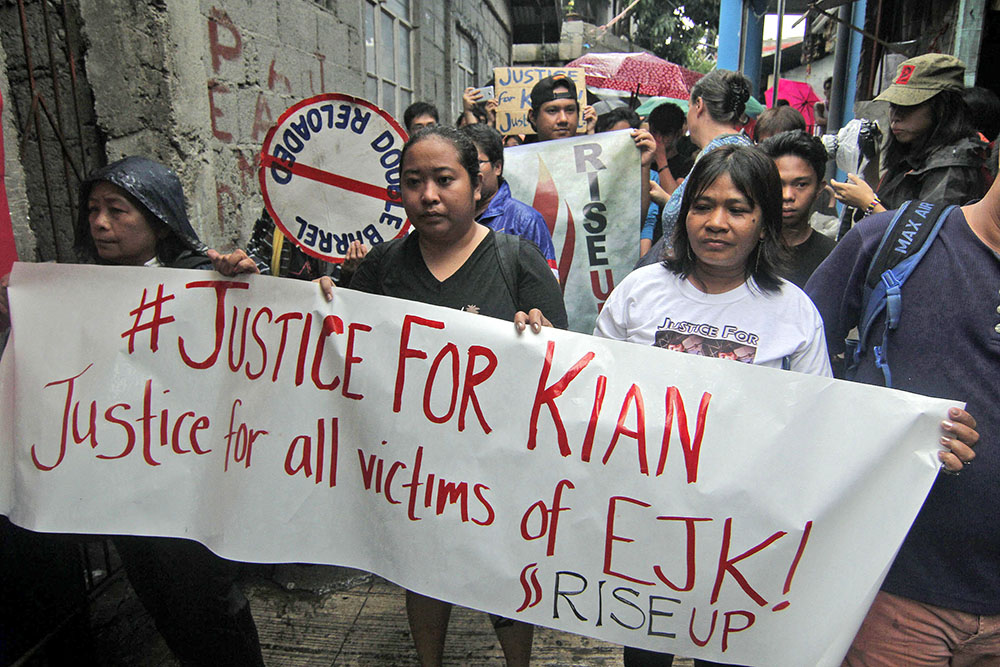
(450, 260)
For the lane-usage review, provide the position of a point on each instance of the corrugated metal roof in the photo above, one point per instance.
(535, 21)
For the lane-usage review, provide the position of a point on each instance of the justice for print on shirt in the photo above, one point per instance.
(707, 340)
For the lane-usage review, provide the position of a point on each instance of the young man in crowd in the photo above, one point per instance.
(619, 118)
(497, 209)
(420, 115)
(801, 161)
(673, 158)
(555, 111)
(777, 120)
(940, 601)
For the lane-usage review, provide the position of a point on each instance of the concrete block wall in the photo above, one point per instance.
(259, 59)
(576, 38)
(488, 23)
(433, 62)
(203, 82)
(197, 84)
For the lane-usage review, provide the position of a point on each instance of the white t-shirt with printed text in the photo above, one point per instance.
(653, 306)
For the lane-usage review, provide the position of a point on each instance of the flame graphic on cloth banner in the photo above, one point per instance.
(546, 202)
(587, 190)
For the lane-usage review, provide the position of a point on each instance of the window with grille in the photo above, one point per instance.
(465, 66)
(388, 54)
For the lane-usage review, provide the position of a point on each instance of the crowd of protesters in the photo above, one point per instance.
(725, 235)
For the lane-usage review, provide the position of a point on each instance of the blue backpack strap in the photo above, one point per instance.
(904, 243)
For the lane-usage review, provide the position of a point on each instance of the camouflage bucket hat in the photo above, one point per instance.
(921, 78)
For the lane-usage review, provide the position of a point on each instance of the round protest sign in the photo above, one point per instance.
(329, 173)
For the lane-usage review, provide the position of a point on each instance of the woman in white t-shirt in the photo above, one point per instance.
(720, 294)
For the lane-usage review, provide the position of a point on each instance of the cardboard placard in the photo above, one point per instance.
(513, 89)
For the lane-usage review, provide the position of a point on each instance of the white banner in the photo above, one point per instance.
(682, 504)
(587, 189)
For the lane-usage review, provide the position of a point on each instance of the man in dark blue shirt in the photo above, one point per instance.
(497, 209)
(940, 602)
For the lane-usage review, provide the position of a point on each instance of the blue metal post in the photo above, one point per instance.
(853, 62)
(730, 24)
(753, 47)
(732, 39)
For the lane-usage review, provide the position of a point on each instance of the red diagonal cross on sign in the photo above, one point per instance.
(336, 180)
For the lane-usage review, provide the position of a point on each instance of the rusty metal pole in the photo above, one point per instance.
(71, 61)
(54, 74)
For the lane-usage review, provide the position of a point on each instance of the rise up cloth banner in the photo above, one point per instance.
(588, 190)
(662, 500)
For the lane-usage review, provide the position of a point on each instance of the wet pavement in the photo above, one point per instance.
(311, 615)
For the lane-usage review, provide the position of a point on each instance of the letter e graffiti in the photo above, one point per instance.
(214, 112)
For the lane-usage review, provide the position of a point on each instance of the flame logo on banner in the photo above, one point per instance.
(532, 593)
(546, 202)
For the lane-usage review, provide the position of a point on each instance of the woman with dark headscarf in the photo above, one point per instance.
(133, 213)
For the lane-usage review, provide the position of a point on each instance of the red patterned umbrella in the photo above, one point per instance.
(623, 71)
